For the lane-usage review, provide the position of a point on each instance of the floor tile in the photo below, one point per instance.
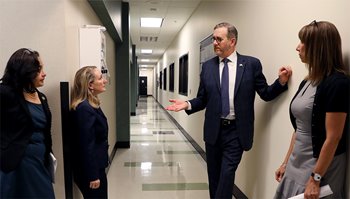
(174, 186)
(160, 164)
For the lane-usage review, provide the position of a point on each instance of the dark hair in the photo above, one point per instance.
(231, 30)
(21, 69)
(323, 52)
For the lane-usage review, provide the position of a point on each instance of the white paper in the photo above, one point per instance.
(52, 167)
(324, 191)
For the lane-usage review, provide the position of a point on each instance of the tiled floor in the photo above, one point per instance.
(160, 164)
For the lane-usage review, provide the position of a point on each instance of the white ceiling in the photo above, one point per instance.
(175, 14)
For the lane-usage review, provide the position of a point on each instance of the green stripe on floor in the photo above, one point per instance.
(174, 186)
(177, 152)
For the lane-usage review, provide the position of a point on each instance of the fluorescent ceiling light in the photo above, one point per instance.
(145, 60)
(146, 51)
(151, 22)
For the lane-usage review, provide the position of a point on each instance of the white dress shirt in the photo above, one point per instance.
(232, 68)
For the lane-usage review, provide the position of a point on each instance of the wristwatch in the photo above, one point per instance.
(317, 177)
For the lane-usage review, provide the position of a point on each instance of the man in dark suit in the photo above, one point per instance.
(228, 83)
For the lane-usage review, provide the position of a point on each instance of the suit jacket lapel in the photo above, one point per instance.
(24, 105)
(216, 72)
(239, 72)
(45, 105)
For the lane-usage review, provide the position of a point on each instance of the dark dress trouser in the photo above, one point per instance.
(222, 161)
(88, 193)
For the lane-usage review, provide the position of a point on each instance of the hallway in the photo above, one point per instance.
(160, 164)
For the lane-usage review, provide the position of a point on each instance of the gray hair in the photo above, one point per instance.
(231, 30)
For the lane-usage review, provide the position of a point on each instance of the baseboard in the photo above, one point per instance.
(111, 157)
(189, 138)
(125, 145)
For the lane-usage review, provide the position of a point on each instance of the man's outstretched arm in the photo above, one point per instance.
(177, 105)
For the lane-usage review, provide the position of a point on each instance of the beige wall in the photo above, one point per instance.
(268, 30)
(51, 28)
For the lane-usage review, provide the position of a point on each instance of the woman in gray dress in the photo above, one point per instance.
(319, 113)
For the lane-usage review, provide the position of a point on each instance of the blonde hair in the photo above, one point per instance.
(80, 91)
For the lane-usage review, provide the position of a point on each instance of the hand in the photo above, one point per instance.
(95, 184)
(177, 105)
(280, 172)
(312, 189)
(284, 74)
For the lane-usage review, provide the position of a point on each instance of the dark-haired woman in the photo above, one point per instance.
(319, 113)
(25, 129)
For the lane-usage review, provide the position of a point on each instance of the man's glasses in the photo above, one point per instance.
(217, 39)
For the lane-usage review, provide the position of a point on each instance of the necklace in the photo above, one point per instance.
(32, 97)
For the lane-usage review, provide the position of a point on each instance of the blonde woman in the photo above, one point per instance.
(90, 130)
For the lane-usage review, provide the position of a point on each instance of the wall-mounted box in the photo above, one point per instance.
(93, 47)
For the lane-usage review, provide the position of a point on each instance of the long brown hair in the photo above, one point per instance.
(21, 70)
(80, 91)
(323, 52)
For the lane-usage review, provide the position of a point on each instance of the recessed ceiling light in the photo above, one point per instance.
(151, 22)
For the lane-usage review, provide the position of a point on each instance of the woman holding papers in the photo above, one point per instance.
(25, 129)
(319, 113)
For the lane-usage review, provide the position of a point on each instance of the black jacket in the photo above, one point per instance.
(17, 127)
(249, 80)
(90, 143)
(332, 95)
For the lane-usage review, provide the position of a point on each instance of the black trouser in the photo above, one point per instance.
(222, 161)
(88, 193)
